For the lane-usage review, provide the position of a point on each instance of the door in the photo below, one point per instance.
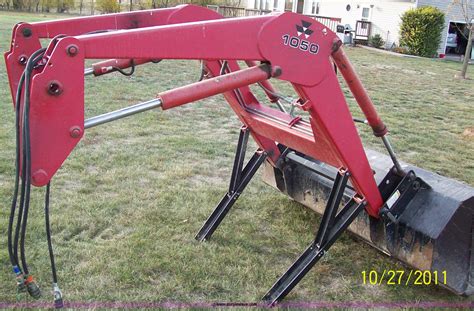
(300, 6)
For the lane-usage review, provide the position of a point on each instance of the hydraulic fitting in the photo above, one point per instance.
(32, 287)
(20, 280)
(58, 297)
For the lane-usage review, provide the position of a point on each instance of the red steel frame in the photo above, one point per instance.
(57, 120)
(26, 37)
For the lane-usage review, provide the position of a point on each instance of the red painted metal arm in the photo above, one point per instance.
(210, 40)
(26, 36)
(190, 93)
(108, 22)
(359, 92)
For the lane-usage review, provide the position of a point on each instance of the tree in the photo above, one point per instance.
(18, 4)
(64, 5)
(467, 10)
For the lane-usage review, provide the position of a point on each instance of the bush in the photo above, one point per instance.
(400, 50)
(376, 41)
(421, 30)
(108, 6)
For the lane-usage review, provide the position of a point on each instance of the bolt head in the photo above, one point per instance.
(40, 177)
(75, 132)
(72, 50)
(54, 88)
(276, 71)
(22, 59)
(26, 32)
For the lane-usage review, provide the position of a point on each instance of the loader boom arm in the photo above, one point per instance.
(26, 36)
(302, 60)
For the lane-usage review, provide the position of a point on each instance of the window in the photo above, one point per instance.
(275, 5)
(315, 8)
(289, 5)
(365, 13)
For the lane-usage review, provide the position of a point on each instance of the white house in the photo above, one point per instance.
(384, 15)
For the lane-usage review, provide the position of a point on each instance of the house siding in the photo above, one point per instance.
(452, 13)
(384, 15)
(386, 19)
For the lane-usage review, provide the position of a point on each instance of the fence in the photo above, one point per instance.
(329, 22)
(89, 7)
(231, 11)
(363, 30)
(228, 11)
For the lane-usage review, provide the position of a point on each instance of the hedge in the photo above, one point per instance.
(420, 31)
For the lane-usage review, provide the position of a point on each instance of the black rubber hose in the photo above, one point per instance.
(13, 257)
(26, 167)
(131, 72)
(48, 233)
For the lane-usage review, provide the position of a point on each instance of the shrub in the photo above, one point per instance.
(376, 41)
(420, 30)
(108, 6)
(400, 50)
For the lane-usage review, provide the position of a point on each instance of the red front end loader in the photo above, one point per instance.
(375, 196)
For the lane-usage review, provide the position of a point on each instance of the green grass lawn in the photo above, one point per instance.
(129, 200)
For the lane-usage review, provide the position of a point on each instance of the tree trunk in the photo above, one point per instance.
(465, 63)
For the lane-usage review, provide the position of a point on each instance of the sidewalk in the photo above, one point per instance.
(455, 58)
(387, 52)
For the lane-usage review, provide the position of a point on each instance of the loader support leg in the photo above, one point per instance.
(331, 227)
(239, 180)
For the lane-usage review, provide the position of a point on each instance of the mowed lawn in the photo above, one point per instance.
(129, 200)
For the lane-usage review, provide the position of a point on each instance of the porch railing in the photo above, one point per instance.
(363, 30)
(329, 22)
(229, 11)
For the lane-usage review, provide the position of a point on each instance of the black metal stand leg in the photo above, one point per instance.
(332, 226)
(239, 180)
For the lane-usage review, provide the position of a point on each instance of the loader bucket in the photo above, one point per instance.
(435, 231)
